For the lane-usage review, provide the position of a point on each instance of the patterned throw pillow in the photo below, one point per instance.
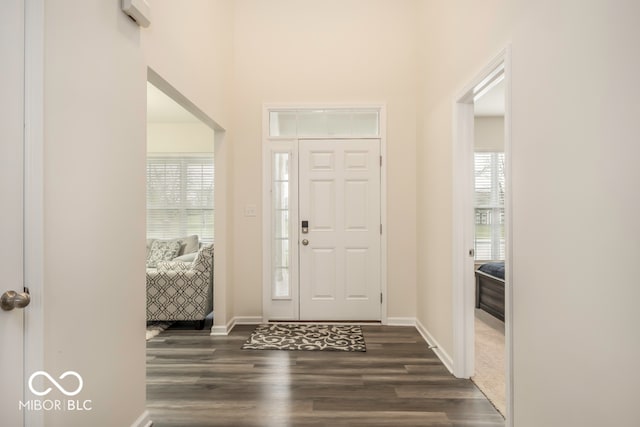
(162, 251)
(204, 260)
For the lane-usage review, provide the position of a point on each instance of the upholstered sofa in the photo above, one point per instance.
(179, 285)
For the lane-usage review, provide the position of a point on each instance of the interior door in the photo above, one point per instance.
(339, 198)
(11, 197)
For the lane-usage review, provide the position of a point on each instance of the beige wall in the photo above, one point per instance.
(574, 97)
(191, 48)
(179, 138)
(488, 134)
(449, 59)
(325, 52)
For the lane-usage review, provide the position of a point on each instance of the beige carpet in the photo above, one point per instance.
(490, 359)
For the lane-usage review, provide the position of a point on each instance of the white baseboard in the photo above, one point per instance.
(248, 320)
(446, 360)
(401, 321)
(143, 420)
(223, 330)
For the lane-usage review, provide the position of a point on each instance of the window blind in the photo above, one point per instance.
(180, 193)
(489, 206)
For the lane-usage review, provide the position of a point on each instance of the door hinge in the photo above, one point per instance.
(380, 297)
(380, 228)
(380, 161)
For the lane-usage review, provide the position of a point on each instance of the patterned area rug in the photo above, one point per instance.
(154, 328)
(306, 337)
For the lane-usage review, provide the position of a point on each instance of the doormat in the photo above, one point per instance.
(306, 337)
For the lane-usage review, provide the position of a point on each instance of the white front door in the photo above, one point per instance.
(339, 198)
(11, 197)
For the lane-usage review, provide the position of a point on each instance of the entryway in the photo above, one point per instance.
(481, 235)
(323, 218)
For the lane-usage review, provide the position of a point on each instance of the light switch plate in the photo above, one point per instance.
(250, 210)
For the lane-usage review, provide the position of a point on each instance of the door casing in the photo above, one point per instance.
(463, 288)
(279, 309)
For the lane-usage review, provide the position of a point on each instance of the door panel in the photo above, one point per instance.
(11, 195)
(339, 194)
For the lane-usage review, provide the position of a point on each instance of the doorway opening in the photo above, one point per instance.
(323, 217)
(182, 142)
(489, 244)
(482, 311)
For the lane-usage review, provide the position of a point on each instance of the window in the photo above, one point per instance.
(358, 122)
(180, 196)
(281, 226)
(489, 206)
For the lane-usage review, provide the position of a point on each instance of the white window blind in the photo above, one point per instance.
(180, 197)
(489, 206)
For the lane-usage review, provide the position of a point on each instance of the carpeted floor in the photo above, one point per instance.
(490, 359)
(279, 336)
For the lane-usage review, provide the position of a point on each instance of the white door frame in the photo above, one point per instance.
(463, 291)
(281, 142)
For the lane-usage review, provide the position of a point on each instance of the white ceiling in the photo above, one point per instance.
(491, 103)
(162, 109)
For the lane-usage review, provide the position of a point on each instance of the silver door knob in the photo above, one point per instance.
(305, 242)
(12, 299)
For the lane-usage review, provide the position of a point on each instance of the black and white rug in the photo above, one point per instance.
(280, 336)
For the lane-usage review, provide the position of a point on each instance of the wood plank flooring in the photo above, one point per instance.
(194, 379)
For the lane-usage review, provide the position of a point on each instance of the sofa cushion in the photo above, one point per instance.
(188, 244)
(162, 250)
(187, 257)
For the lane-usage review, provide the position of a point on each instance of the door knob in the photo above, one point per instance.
(12, 299)
(305, 242)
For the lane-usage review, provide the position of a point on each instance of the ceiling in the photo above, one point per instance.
(162, 109)
(491, 103)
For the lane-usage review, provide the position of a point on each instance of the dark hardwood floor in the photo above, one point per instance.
(194, 379)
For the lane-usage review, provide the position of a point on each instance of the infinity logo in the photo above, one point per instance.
(55, 383)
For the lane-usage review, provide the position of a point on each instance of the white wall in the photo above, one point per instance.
(94, 183)
(574, 97)
(328, 51)
(488, 133)
(587, 145)
(94, 186)
(179, 138)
